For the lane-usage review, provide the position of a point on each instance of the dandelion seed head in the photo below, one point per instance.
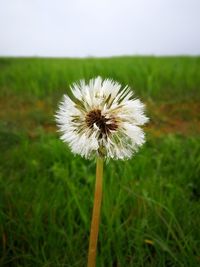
(101, 119)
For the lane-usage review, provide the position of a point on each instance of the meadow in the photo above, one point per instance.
(151, 203)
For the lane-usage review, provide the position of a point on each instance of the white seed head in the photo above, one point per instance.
(101, 119)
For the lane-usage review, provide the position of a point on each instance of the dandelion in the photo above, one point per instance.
(101, 119)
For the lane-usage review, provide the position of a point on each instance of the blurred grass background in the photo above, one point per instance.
(151, 210)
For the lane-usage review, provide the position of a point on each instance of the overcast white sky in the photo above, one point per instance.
(80, 28)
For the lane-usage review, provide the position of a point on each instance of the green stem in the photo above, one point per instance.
(96, 214)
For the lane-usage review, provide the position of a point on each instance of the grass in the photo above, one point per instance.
(149, 76)
(151, 210)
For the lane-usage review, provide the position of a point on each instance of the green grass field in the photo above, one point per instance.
(151, 203)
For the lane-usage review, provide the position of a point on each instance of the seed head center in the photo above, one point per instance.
(106, 125)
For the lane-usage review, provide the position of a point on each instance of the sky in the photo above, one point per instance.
(82, 28)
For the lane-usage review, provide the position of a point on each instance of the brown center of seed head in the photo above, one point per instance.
(95, 116)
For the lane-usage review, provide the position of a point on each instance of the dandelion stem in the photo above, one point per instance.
(96, 214)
